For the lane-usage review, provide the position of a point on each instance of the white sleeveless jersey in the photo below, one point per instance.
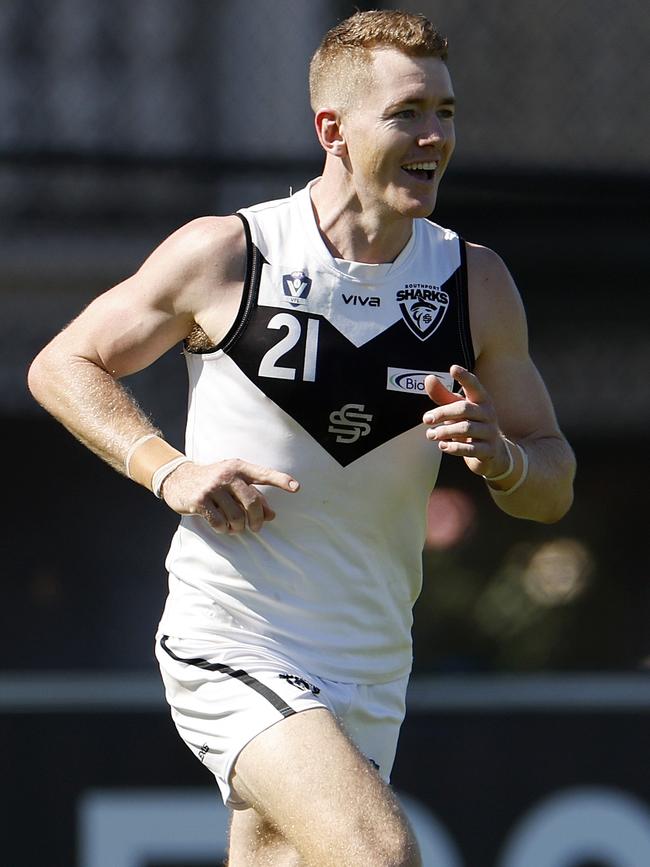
(321, 376)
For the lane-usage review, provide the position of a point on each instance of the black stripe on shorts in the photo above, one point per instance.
(260, 688)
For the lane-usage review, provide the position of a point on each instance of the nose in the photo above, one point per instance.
(433, 134)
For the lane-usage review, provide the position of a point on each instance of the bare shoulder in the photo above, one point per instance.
(496, 309)
(489, 278)
(215, 246)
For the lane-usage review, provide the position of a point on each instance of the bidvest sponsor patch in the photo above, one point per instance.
(412, 381)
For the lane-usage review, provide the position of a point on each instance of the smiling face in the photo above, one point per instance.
(399, 134)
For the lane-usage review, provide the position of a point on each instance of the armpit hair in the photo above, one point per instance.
(197, 340)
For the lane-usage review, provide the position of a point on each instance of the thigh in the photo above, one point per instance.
(306, 778)
(222, 697)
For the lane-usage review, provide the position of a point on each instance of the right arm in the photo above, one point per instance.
(195, 276)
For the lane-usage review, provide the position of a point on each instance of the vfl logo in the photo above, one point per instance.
(300, 683)
(296, 286)
(423, 308)
(349, 423)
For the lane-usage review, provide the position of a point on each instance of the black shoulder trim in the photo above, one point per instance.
(464, 329)
(249, 295)
(254, 261)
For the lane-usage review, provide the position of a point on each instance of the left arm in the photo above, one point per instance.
(505, 404)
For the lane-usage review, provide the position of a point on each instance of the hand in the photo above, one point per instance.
(466, 425)
(224, 493)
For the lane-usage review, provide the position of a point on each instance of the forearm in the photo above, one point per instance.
(546, 493)
(96, 408)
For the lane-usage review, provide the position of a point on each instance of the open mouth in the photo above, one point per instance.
(421, 171)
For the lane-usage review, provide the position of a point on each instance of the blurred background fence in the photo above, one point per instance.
(120, 121)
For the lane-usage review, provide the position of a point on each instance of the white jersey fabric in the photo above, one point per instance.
(322, 377)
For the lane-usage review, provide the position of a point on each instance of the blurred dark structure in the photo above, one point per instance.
(120, 121)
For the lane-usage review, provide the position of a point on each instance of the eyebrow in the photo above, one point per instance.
(447, 100)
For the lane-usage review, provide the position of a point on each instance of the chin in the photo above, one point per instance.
(419, 208)
(413, 206)
(426, 210)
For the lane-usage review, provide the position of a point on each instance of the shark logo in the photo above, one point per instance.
(423, 308)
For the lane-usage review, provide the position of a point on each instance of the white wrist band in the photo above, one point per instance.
(131, 451)
(511, 465)
(520, 480)
(162, 472)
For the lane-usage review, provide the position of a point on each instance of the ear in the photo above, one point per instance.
(330, 133)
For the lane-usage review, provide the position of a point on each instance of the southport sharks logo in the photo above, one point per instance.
(423, 307)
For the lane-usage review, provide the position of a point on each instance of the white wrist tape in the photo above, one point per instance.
(131, 451)
(522, 478)
(511, 465)
(162, 472)
(148, 455)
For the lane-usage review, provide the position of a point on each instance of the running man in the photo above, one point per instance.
(338, 343)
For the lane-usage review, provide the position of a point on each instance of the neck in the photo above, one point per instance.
(352, 231)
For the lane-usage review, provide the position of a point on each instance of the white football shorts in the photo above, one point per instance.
(223, 695)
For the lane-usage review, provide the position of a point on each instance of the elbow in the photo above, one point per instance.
(560, 504)
(550, 495)
(558, 509)
(36, 377)
(40, 377)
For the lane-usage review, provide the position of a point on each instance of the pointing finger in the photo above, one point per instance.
(257, 475)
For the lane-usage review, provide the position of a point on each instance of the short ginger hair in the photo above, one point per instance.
(345, 53)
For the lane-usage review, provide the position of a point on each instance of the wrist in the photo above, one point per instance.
(164, 472)
(150, 460)
(498, 477)
(518, 469)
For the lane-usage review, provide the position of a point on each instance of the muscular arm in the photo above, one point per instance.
(505, 397)
(75, 377)
(195, 276)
